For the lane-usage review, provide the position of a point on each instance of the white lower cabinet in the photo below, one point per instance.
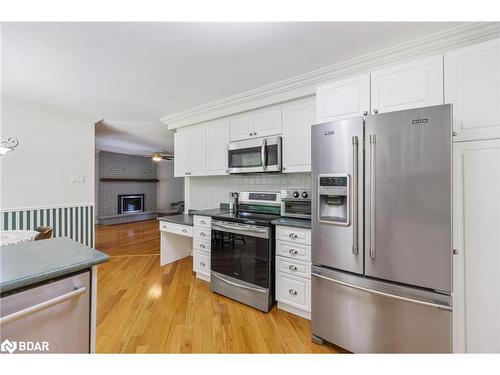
(293, 270)
(476, 232)
(201, 246)
(293, 294)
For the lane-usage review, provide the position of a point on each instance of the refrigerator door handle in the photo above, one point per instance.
(399, 298)
(355, 246)
(373, 140)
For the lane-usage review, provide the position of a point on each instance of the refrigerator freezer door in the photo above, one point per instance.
(408, 235)
(366, 316)
(337, 208)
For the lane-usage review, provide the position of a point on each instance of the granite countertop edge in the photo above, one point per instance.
(52, 274)
(291, 222)
(187, 219)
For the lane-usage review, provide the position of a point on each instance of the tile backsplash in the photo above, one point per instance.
(209, 192)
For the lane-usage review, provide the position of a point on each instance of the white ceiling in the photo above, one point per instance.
(134, 137)
(125, 72)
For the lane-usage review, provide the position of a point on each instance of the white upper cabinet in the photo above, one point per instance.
(476, 237)
(343, 99)
(181, 151)
(217, 140)
(410, 85)
(267, 122)
(190, 148)
(241, 127)
(298, 116)
(472, 85)
(197, 150)
(260, 123)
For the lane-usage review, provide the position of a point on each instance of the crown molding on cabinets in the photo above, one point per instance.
(305, 84)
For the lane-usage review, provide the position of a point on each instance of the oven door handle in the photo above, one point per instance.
(243, 229)
(238, 285)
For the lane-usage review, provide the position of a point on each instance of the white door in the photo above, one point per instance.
(298, 117)
(241, 127)
(267, 122)
(343, 99)
(476, 201)
(197, 151)
(472, 85)
(217, 140)
(181, 151)
(409, 85)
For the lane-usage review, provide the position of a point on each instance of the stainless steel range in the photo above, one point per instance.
(243, 251)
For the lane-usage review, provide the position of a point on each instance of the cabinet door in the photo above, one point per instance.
(476, 296)
(298, 117)
(217, 140)
(267, 122)
(181, 151)
(343, 99)
(241, 127)
(197, 151)
(410, 85)
(472, 85)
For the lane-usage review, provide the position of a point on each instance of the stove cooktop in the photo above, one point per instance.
(247, 217)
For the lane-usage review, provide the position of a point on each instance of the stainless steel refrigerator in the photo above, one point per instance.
(382, 232)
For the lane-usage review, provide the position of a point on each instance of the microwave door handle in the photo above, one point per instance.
(263, 154)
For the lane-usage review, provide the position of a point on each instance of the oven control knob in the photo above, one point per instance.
(295, 194)
(304, 194)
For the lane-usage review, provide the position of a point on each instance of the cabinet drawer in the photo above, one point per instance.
(201, 245)
(293, 267)
(293, 250)
(202, 233)
(295, 235)
(202, 221)
(201, 262)
(294, 291)
(183, 230)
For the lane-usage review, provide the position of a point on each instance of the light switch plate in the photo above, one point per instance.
(77, 179)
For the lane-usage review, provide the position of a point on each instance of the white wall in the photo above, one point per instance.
(54, 145)
(169, 189)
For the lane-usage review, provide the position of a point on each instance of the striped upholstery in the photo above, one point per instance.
(76, 222)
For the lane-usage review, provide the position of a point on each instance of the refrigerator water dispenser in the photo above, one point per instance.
(334, 199)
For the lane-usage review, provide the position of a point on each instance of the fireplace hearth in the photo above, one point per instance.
(130, 203)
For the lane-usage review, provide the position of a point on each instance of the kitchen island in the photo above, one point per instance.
(48, 294)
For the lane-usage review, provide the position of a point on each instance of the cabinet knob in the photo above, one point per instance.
(202, 234)
(292, 251)
(202, 264)
(292, 235)
(202, 221)
(375, 110)
(293, 292)
(185, 230)
(292, 267)
(202, 246)
(254, 133)
(365, 113)
(454, 134)
(250, 134)
(455, 251)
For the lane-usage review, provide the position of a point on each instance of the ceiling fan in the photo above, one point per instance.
(158, 156)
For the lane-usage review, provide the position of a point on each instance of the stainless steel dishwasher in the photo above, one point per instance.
(56, 315)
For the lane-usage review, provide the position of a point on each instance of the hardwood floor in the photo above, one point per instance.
(145, 308)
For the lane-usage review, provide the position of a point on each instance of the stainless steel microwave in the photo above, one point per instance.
(255, 155)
